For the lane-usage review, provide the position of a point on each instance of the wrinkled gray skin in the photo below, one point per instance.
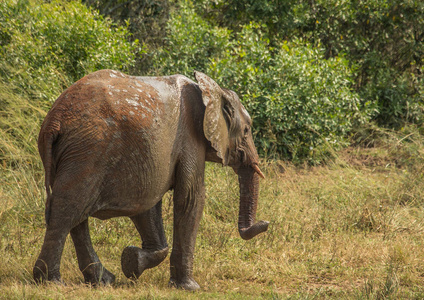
(112, 145)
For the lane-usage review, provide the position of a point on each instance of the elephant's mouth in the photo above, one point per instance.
(245, 160)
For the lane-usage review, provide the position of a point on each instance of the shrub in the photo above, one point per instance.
(302, 104)
(48, 45)
(397, 96)
(147, 22)
(384, 39)
(190, 43)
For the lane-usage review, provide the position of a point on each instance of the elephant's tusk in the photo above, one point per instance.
(257, 170)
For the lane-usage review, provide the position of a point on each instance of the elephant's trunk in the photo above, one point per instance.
(249, 192)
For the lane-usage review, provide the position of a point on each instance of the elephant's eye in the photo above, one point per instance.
(246, 130)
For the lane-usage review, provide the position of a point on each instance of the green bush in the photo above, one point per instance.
(386, 40)
(399, 100)
(46, 46)
(383, 39)
(147, 21)
(190, 43)
(302, 104)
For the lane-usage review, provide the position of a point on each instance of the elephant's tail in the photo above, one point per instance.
(45, 147)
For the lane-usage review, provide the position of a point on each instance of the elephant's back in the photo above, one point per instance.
(111, 97)
(108, 105)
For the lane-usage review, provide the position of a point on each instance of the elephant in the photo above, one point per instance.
(112, 145)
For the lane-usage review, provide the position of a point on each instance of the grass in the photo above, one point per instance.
(350, 229)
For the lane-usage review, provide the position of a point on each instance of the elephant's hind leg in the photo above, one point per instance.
(47, 266)
(88, 261)
(154, 249)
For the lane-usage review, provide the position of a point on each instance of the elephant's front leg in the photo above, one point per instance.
(189, 195)
(135, 260)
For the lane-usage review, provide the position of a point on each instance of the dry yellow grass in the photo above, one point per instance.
(350, 229)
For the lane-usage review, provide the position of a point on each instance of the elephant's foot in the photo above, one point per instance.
(96, 274)
(135, 260)
(188, 284)
(41, 273)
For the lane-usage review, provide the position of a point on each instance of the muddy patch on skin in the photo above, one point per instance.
(132, 101)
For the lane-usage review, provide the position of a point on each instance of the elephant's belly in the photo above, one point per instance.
(131, 208)
(124, 206)
(128, 193)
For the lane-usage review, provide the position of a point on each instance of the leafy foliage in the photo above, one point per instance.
(190, 43)
(383, 39)
(386, 40)
(303, 105)
(146, 20)
(47, 46)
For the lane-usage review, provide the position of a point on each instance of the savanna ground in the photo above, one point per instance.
(350, 229)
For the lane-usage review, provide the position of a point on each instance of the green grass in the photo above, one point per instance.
(351, 229)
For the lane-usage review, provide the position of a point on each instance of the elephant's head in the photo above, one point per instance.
(227, 126)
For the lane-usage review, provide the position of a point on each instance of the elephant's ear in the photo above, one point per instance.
(215, 126)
